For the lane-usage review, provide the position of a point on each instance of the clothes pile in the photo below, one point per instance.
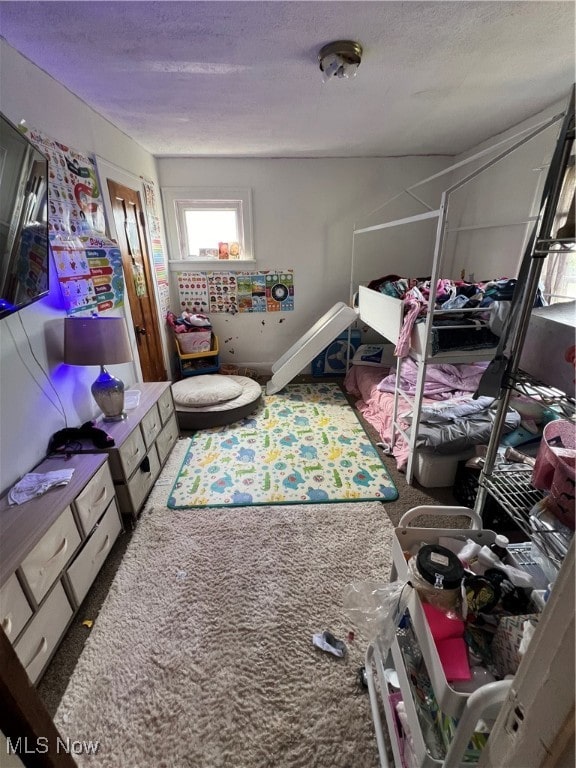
(188, 322)
(450, 295)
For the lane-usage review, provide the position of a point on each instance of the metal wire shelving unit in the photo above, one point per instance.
(512, 488)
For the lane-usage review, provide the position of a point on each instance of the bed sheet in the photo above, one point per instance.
(377, 407)
(436, 432)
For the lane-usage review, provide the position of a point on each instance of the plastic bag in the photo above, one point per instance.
(377, 607)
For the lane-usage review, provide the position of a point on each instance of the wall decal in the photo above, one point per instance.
(88, 264)
(233, 292)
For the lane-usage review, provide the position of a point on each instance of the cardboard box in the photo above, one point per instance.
(332, 360)
(549, 348)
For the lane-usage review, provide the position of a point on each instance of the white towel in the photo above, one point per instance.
(35, 484)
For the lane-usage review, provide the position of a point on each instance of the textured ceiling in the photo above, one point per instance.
(241, 79)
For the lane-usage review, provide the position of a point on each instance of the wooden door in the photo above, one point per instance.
(130, 224)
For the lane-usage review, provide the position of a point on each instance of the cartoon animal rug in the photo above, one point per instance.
(304, 445)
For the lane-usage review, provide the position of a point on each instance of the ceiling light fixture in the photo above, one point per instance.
(340, 59)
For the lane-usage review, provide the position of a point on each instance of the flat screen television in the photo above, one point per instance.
(24, 247)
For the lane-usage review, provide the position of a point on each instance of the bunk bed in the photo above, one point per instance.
(385, 314)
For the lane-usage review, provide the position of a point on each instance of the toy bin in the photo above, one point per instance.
(196, 363)
(194, 341)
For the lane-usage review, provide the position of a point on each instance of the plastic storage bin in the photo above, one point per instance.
(194, 341)
(198, 363)
(436, 470)
(555, 468)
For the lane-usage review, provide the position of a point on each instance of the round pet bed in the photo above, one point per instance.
(214, 398)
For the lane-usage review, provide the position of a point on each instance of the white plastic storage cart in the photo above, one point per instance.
(464, 708)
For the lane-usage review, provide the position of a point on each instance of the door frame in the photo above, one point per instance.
(107, 170)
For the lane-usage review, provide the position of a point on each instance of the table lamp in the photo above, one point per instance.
(100, 341)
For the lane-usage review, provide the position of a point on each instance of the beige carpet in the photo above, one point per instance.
(202, 653)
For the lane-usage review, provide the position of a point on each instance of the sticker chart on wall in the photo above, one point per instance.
(157, 246)
(233, 292)
(88, 264)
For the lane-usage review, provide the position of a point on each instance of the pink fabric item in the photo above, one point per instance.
(443, 380)
(377, 407)
(412, 309)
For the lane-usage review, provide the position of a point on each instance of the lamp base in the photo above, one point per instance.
(108, 391)
(121, 417)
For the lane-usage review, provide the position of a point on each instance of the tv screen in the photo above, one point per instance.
(23, 220)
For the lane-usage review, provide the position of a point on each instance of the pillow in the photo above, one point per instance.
(205, 390)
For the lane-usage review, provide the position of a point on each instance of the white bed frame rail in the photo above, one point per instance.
(385, 314)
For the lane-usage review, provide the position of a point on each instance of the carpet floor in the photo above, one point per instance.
(362, 555)
(202, 654)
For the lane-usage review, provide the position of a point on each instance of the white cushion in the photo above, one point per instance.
(205, 390)
(251, 391)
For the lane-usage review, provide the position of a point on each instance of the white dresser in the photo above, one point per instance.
(52, 549)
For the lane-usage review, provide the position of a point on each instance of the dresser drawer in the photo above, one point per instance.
(141, 482)
(42, 566)
(89, 560)
(167, 438)
(151, 426)
(43, 633)
(91, 503)
(166, 405)
(15, 610)
(130, 454)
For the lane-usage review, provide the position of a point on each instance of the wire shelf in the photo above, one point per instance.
(545, 394)
(513, 490)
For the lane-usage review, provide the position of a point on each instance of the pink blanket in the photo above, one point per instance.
(377, 407)
(443, 380)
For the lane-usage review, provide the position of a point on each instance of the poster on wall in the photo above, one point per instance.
(76, 205)
(280, 291)
(233, 292)
(157, 246)
(88, 264)
(91, 278)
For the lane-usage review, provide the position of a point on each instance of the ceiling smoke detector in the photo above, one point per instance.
(340, 59)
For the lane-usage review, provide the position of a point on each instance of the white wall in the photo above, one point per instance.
(508, 193)
(304, 213)
(37, 393)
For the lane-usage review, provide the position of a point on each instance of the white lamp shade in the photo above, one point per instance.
(96, 341)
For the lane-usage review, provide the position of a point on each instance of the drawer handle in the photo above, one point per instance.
(103, 495)
(105, 544)
(60, 551)
(7, 625)
(42, 648)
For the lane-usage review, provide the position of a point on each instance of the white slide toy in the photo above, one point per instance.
(332, 324)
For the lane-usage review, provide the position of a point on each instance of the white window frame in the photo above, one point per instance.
(174, 199)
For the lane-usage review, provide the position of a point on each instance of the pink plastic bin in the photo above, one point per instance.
(555, 468)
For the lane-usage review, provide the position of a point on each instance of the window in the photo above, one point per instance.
(209, 227)
(559, 268)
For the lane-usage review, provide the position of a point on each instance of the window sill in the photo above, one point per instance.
(212, 265)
